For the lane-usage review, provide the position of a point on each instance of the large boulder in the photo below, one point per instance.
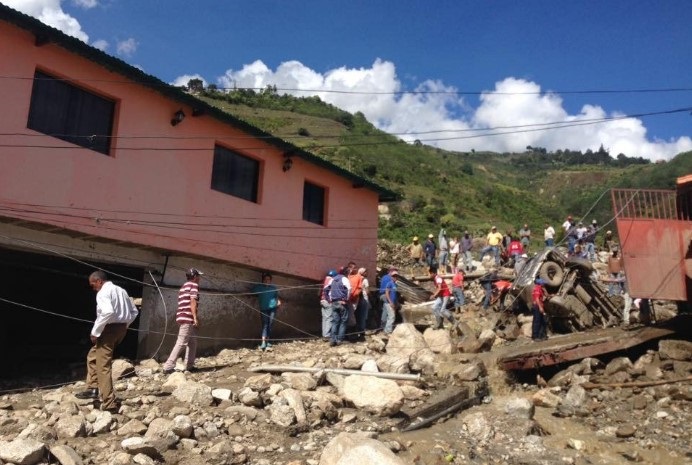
(356, 449)
(22, 451)
(439, 341)
(376, 395)
(675, 350)
(194, 393)
(407, 341)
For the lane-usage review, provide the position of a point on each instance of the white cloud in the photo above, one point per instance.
(127, 47)
(101, 44)
(448, 119)
(88, 4)
(50, 12)
(185, 78)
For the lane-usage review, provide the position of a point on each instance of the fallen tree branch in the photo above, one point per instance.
(636, 383)
(338, 371)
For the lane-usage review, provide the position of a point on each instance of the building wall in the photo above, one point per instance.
(156, 191)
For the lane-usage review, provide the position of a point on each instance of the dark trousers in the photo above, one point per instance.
(539, 327)
(100, 362)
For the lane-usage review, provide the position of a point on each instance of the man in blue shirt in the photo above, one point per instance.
(268, 297)
(389, 300)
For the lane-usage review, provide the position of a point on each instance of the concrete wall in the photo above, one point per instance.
(154, 189)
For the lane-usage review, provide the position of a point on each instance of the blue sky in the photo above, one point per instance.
(531, 60)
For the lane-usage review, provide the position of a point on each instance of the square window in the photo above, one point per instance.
(313, 203)
(71, 114)
(235, 174)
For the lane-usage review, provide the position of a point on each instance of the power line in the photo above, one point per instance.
(363, 92)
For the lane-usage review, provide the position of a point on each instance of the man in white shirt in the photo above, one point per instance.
(549, 235)
(114, 313)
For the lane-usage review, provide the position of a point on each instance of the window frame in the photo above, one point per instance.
(71, 113)
(309, 208)
(246, 161)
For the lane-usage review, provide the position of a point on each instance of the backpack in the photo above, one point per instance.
(337, 289)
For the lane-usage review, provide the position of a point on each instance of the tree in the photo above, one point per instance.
(195, 85)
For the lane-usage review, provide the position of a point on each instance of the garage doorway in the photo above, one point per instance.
(47, 310)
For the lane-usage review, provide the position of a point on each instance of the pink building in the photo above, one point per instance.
(104, 165)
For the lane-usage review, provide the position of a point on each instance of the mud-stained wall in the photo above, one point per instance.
(228, 310)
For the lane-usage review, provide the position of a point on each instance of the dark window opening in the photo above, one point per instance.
(71, 114)
(235, 174)
(313, 203)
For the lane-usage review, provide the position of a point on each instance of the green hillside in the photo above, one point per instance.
(452, 189)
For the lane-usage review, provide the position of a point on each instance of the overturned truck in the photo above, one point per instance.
(577, 300)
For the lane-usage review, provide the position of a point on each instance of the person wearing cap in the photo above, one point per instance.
(609, 242)
(581, 230)
(115, 311)
(389, 301)
(415, 250)
(568, 223)
(325, 305)
(571, 237)
(454, 248)
(429, 248)
(269, 303)
(493, 244)
(339, 292)
(364, 306)
(539, 326)
(187, 319)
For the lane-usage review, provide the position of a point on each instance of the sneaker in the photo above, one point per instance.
(332, 343)
(92, 393)
(269, 344)
(263, 346)
(168, 371)
(192, 369)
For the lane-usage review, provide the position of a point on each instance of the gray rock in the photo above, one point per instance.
(194, 393)
(121, 369)
(545, 398)
(248, 412)
(356, 449)
(259, 382)
(182, 426)
(487, 339)
(66, 455)
(70, 427)
(618, 364)
(136, 445)
(478, 427)
(295, 401)
(102, 423)
(439, 341)
(675, 350)
(469, 371)
(625, 431)
(379, 396)
(22, 451)
(394, 363)
(281, 413)
(520, 407)
(300, 381)
(249, 397)
(221, 394)
(354, 361)
(575, 398)
(370, 366)
(132, 427)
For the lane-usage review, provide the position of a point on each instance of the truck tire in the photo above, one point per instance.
(551, 273)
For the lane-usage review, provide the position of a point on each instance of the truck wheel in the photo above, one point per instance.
(551, 273)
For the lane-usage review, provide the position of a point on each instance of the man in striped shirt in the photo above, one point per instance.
(186, 317)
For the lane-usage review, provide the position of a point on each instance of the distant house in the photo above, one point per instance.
(104, 165)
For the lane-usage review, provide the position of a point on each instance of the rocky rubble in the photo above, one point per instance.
(225, 414)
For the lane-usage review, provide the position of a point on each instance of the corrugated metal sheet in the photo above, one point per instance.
(654, 242)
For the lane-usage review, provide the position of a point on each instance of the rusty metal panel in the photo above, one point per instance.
(654, 243)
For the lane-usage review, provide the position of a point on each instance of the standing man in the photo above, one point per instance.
(590, 241)
(441, 297)
(415, 250)
(539, 326)
(429, 248)
(325, 305)
(389, 302)
(615, 272)
(458, 289)
(114, 313)
(493, 244)
(443, 245)
(339, 292)
(269, 303)
(525, 237)
(549, 235)
(186, 317)
(466, 246)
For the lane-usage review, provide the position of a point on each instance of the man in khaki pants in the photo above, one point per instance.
(114, 313)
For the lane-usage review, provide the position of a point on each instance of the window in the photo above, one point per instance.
(313, 203)
(235, 174)
(69, 113)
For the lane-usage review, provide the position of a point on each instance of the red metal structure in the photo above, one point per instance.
(655, 231)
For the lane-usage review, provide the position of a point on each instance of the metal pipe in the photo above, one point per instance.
(338, 371)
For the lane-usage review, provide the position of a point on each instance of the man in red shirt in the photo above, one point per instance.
(539, 327)
(441, 297)
(458, 289)
(186, 317)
